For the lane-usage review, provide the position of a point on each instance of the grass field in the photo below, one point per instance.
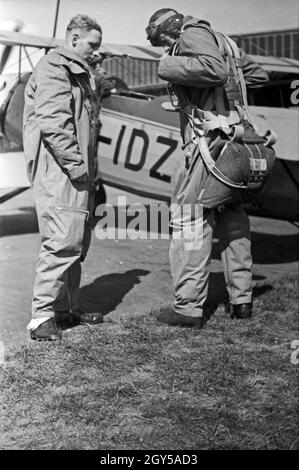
(137, 384)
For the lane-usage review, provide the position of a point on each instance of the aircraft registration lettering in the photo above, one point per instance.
(172, 145)
(138, 147)
(118, 144)
(137, 133)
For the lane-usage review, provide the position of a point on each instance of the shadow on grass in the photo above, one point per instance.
(106, 292)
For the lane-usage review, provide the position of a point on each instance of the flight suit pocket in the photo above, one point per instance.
(68, 227)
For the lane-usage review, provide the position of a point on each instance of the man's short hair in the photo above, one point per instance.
(83, 22)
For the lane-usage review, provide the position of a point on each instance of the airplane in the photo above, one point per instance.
(139, 142)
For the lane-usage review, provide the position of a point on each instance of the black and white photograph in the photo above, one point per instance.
(149, 229)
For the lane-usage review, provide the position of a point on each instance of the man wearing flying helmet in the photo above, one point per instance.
(197, 68)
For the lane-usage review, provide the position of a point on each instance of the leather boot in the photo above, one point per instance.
(241, 311)
(47, 331)
(170, 317)
(82, 318)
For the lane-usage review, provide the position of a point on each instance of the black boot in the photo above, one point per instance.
(241, 311)
(82, 318)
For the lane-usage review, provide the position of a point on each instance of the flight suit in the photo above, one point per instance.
(59, 143)
(197, 67)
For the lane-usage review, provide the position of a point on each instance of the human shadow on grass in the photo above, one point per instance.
(106, 292)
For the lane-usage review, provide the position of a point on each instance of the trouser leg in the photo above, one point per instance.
(65, 238)
(68, 302)
(190, 266)
(190, 257)
(51, 282)
(234, 238)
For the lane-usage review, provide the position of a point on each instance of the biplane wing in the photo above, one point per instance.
(13, 38)
(17, 39)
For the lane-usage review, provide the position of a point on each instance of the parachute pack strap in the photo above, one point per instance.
(233, 52)
(271, 136)
(235, 55)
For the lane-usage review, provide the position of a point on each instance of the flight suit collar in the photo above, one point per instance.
(75, 63)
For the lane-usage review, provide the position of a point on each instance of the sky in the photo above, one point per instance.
(124, 21)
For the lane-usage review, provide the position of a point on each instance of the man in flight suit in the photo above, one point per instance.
(60, 122)
(195, 66)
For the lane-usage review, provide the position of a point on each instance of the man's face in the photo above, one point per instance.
(86, 44)
(159, 39)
